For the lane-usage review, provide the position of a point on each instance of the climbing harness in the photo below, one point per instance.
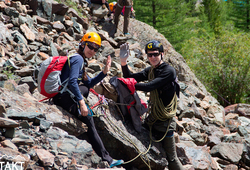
(102, 102)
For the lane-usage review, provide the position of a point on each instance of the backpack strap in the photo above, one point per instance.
(69, 60)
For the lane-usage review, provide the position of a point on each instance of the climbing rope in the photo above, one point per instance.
(100, 103)
(157, 110)
(150, 133)
(125, 137)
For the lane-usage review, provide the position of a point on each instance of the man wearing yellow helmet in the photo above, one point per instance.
(76, 74)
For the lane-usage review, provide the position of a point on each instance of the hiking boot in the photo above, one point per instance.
(126, 33)
(116, 163)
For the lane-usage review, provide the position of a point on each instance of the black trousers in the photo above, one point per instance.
(67, 103)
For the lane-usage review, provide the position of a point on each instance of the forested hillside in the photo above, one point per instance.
(213, 37)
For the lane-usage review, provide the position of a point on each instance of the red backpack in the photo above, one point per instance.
(49, 82)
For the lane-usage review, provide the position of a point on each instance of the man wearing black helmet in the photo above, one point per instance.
(163, 90)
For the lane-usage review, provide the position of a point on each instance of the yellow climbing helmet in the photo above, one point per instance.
(91, 37)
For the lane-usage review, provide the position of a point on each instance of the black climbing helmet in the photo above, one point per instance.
(153, 45)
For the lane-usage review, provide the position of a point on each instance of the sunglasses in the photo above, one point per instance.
(153, 54)
(92, 48)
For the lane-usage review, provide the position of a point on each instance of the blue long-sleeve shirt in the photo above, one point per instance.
(75, 75)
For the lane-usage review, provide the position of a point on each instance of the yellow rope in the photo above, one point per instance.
(119, 131)
(157, 110)
(150, 133)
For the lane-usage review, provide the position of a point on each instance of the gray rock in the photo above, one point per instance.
(8, 123)
(23, 115)
(24, 124)
(53, 50)
(95, 67)
(30, 82)
(77, 27)
(45, 125)
(3, 77)
(225, 150)
(11, 11)
(25, 71)
(198, 156)
(29, 55)
(19, 38)
(4, 32)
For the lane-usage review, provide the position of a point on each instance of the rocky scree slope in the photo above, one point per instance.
(43, 136)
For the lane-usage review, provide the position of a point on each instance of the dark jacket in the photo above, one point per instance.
(127, 95)
(164, 82)
(165, 77)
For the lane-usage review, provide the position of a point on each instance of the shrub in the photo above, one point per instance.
(222, 64)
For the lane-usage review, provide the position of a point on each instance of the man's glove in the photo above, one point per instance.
(124, 52)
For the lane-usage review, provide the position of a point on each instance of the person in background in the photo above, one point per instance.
(112, 7)
(75, 72)
(118, 10)
(164, 89)
(132, 14)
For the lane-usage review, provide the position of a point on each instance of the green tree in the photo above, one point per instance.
(215, 12)
(169, 17)
(240, 13)
(222, 64)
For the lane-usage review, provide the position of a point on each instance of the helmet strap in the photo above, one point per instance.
(159, 62)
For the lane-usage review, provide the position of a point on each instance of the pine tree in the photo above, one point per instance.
(168, 17)
(240, 13)
(215, 13)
